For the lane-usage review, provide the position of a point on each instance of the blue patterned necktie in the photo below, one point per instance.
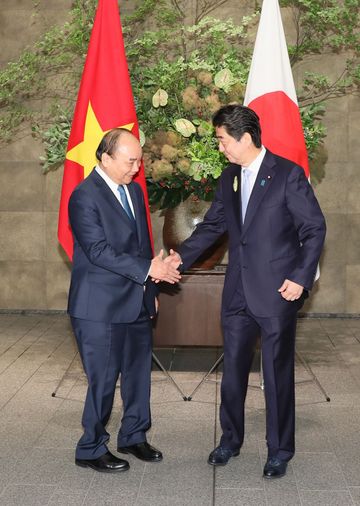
(245, 191)
(125, 202)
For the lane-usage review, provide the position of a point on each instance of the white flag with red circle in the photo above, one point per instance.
(270, 90)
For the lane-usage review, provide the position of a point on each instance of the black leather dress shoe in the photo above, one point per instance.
(142, 451)
(275, 468)
(221, 456)
(107, 463)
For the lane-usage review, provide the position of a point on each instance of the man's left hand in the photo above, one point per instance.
(290, 290)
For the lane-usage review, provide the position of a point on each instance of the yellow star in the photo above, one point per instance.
(84, 152)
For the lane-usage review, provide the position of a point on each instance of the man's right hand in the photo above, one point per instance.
(174, 259)
(161, 271)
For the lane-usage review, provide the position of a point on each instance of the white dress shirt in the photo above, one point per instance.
(254, 168)
(114, 188)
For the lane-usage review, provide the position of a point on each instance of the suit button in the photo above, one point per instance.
(244, 243)
(244, 266)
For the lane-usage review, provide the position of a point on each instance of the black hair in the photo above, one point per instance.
(237, 120)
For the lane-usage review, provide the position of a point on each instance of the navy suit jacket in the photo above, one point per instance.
(282, 236)
(112, 255)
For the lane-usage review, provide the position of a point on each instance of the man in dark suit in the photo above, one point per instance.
(112, 299)
(276, 234)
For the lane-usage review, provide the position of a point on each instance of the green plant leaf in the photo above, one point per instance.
(160, 98)
(142, 137)
(185, 127)
(224, 79)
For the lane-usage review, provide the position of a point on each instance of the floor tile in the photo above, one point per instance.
(42, 467)
(282, 496)
(67, 499)
(182, 477)
(31, 495)
(325, 498)
(244, 471)
(240, 497)
(318, 471)
(355, 494)
(184, 500)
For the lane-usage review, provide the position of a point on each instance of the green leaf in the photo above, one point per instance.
(142, 137)
(160, 98)
(224, 79)
(185, 127)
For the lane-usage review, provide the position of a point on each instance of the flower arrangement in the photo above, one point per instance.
(176, 99)
(184, 160)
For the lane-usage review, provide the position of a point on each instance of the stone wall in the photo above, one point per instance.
(34, 270)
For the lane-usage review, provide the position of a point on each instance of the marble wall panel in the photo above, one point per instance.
(352, 289)
(23, 284)
(22, 236)
(57, 284)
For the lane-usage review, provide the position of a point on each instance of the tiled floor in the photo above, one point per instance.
(38, 432)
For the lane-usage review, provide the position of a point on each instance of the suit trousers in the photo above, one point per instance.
(241, 330)
(108, 350)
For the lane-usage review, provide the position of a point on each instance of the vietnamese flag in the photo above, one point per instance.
(105, 101)
(270, 90)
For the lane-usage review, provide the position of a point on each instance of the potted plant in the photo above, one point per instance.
(183, 162)
(176, 98)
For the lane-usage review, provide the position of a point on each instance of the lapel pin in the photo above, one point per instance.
(235, 184)
(262, 182)
(269, 177)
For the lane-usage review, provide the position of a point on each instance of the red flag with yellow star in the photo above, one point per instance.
(105, 101)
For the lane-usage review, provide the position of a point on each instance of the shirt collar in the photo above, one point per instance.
(254, 166)
(113, 186)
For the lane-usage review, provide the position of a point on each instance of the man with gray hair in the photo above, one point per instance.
(112, 300)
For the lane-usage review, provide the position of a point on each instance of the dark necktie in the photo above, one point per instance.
(125, 202)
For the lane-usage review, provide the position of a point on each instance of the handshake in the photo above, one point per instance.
(165, 269)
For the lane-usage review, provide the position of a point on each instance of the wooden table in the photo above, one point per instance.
(189, 312)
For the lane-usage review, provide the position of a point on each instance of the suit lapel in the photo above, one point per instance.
(137, 209)
(235, 192)
(110, 197)
(263, 182)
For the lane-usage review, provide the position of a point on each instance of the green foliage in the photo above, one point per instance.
(315, 133)
(55, 139)
(157, 10)
(206, 159)
(314, 130)
(324, 25)
(197, 48)
(49, 71)
(169, 192)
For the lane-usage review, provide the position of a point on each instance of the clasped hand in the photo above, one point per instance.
(165, 269)
(290, 290)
